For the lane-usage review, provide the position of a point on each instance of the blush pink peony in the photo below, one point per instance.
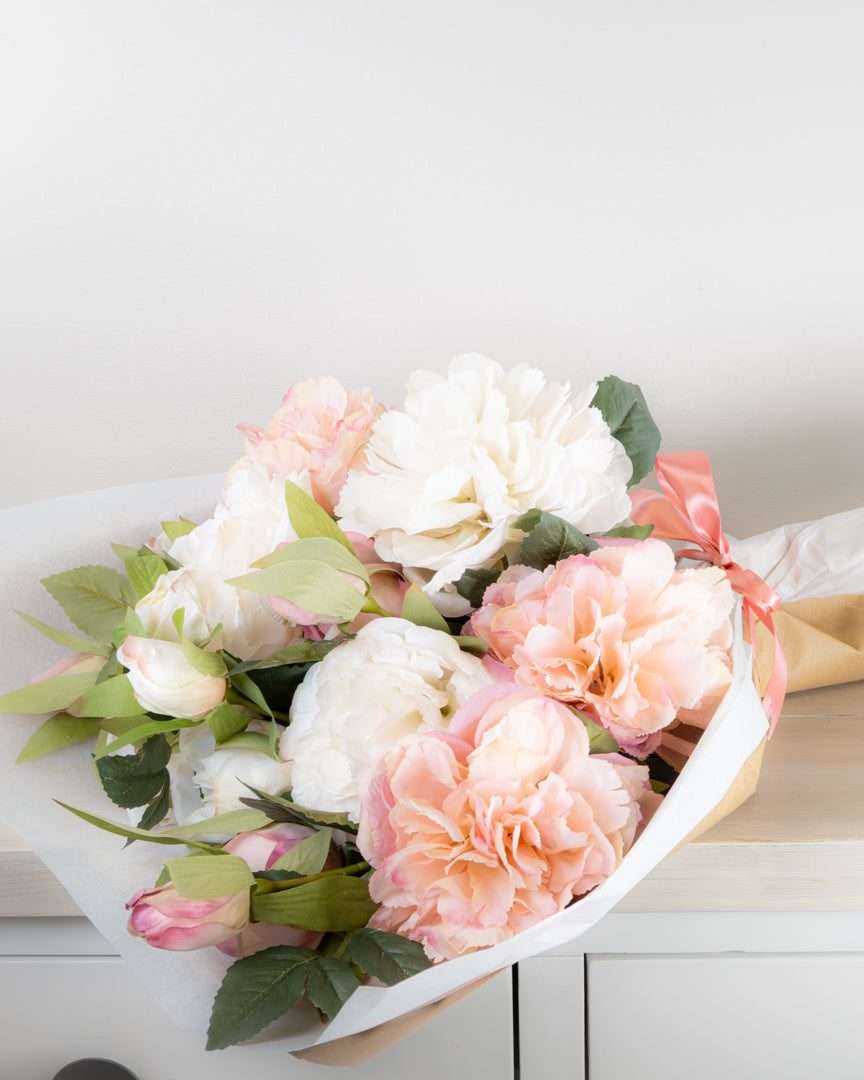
(483, 830)
(319, 429)
(620, 632)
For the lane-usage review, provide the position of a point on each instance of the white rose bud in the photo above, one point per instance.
(164, 681)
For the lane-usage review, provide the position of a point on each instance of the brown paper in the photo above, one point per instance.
(823, 641)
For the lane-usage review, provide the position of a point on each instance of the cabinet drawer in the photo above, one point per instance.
(57, 1009)
(747, 1016)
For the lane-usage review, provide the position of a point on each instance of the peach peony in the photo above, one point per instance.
(621, 632)
(483, 830)
(318, 429)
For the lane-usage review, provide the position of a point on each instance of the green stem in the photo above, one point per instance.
(276, 886)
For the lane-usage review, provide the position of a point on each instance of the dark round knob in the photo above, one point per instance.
(94, 1069)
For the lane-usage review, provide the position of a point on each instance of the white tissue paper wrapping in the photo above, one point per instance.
(101, 875)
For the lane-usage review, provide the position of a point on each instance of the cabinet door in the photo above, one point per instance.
(54, 1010)
(712, 1017)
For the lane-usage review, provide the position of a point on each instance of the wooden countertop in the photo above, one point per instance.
(797, 844)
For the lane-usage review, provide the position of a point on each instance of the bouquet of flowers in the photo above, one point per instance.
(411, 694)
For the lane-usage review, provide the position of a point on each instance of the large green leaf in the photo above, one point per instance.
(387, 957)
(307, 857)
(68, 641)
(132, 833)
(48, 695)
(113, 697)
(143, 571)
(474, 583)
(311, 585)
(209, 876)
(551, 540)
(232, 821)
(309, 519)
(317, 549)
(625, 411)
(57, 731)
(225, 721)
(132, 780)
(340, 902)
(260, 988)
(94, 597)
(419, 609)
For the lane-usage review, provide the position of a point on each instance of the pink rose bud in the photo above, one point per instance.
(261, 849)
(167, 920)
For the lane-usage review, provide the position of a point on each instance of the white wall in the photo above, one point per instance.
(204, 201)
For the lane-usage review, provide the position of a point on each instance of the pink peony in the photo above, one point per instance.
(483, 830)
(167, 920)
(319, 429)
(261, 849)
(621, 632)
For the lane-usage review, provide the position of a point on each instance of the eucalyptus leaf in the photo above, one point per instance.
(113, 697)
(317, 549)
(340, 902)
(624, 409)
(309, 519)
(313, 586)
(307, 857)
(94, 597)
(419, 609)
(48, 695)
(57, 731)
(132, 833)
(68, 641)
(207, 877)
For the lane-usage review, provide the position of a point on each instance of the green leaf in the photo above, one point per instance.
(387, 957)
(225, 721)
(302, 651)
(631, 532)
(309, 519)
(209, 876)
(329, 984)
(552, 540)
(141, 732)
(144, 571)
(659, 787)
(232, 821)
(307, 857)
(131, 833)
(157, 808)
(625, 411)
(68, 641)
(473, 645)
(270, 804)
(113, 697)
(94, 597)
(252, 740)
(133, 780)
(474, 583)
(244, 685)
(175, 529)
(57, 731)
(311, 585)
(340, 902)
(48, 695)
(317, 549)
(205, 661)
(419, 609)
(257, 990)
(600, 740)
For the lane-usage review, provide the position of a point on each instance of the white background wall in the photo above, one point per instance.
(204, 201)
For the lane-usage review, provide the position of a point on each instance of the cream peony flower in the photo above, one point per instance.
(393, 679)
(444, 480)
(250, 523)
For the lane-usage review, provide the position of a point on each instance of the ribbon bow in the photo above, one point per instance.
(689, 511)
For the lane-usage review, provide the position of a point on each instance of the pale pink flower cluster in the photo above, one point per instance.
(484, 829)
(620, 632)
(319, 429)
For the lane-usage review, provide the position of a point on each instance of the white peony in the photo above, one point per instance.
(446, 478)
(393, 679)
(250, 522)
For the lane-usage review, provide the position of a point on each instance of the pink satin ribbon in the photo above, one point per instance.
(689, 511)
